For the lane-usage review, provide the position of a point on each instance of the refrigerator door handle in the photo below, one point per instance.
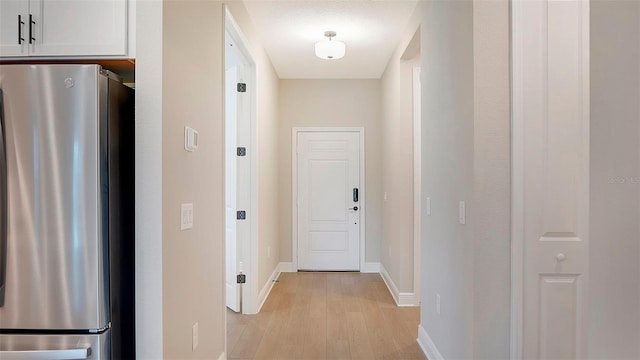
(4, 202)
(70, 354)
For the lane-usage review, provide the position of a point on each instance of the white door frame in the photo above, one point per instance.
(518, 206)
(248, 247)
(294, 188)
(417, 186)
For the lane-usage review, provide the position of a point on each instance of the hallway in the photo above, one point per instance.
(326, 316)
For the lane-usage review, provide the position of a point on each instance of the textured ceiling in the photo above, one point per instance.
(370, 29)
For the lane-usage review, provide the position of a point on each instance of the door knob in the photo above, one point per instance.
(355, 208)
(560, 257)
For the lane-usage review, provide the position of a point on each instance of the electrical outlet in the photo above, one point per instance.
(186, 216)
(194, 337)
(438, 304)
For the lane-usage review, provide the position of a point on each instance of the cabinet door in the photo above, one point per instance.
(79, 27)
(11, 28)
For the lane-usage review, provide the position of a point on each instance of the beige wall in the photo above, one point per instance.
(193, 260)
(267, 116)
(614, 244)
(465, 138)
(397, 161)
(332, 103)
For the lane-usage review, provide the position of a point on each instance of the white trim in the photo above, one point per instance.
(371, 267)
(517, 182)
(149, 318)
(427, 345)
(402, 299)
(248, 250)
(238, 36)
(417, 183)
(294, 188)
(222, 356)
(266, 289)
(286, 267)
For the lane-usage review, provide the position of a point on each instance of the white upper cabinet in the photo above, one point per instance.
(14, 15)
(63, 28)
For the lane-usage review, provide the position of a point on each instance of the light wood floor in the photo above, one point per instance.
(326, 316)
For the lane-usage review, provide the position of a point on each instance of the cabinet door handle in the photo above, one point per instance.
(31, 23)
(20, 23)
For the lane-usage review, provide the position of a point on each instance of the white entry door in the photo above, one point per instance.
(329, 200)
(551, 177)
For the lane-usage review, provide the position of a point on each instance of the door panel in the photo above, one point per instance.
(328, 223)
(77, 27)
(552, 104)
(558, 322)
(12, 27)
(327, 192)
(231, 136)
(55, 250)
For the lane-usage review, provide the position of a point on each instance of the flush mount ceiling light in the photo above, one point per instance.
(330, 49)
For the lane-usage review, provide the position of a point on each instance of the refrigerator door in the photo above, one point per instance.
(55, 347)
(55, 258)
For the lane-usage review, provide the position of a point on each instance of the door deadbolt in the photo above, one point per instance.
(355, 208)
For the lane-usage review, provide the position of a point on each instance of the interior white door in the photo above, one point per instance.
(328, 214)
(231, 136)
(241, 212)
(551, 174)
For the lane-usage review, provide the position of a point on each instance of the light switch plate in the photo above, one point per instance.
(463, 210)
(428, 206)
(186, 216)
(190, 139)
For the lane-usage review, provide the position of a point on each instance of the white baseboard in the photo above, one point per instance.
(401, 298)
(428, 347)
(407, 299)
(266, 289)
(371, 267)
(222, 356)
(286, 267)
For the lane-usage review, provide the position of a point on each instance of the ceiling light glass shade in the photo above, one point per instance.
(330, 49)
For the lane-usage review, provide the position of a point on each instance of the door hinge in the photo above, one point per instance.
(241, 151)
(241, 279)
(241, 215)
(242, 87)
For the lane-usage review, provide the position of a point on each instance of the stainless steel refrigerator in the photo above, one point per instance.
(66, 213)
